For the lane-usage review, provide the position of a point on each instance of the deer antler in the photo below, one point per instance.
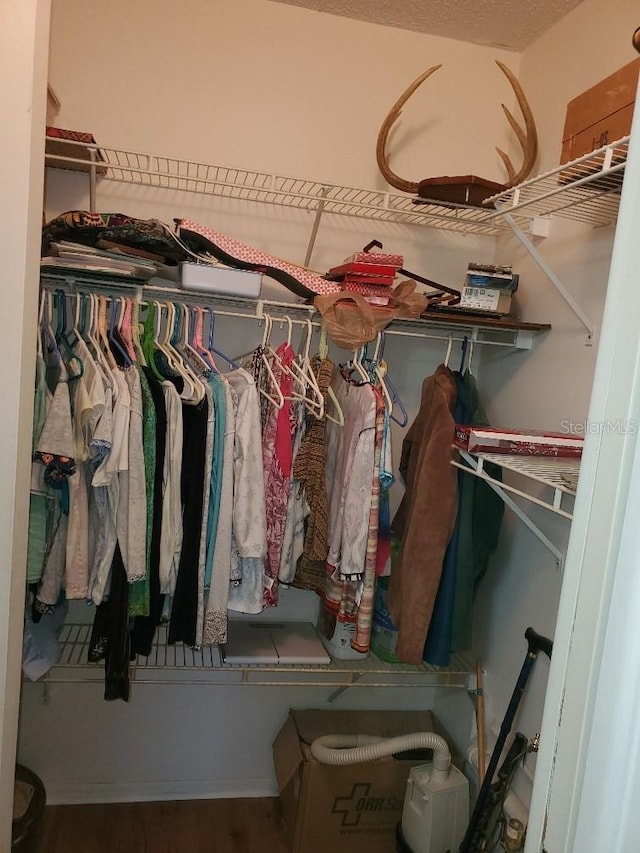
(394, 113)
(527, 137)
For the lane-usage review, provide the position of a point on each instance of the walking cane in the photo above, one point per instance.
(473, 835)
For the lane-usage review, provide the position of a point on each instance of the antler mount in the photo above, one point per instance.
(463, 189)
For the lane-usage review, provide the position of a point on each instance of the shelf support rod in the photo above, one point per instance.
(92, 181)
(356, 676)
(316, 224)
(548, 271)
(474, 467)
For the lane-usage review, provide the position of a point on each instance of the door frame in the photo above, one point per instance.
(24, 52)
(582, 713)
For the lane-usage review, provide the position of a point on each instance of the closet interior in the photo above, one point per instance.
(197, 725)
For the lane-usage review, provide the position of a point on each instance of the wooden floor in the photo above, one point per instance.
(188, 826)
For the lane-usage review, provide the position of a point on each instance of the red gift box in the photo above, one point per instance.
(476, 439)
(370, 280)
(375, 258)
(362, 269)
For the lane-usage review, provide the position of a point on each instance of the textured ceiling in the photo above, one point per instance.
(511, 24)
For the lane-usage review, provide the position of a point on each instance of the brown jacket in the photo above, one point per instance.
(426, 517)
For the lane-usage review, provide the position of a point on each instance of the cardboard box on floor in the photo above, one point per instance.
(352, 808)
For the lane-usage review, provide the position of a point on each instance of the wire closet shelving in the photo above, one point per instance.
(171, 664)
(585, 190)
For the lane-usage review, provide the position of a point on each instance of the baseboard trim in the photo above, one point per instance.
(142, 792)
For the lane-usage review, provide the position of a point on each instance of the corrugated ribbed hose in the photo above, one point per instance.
(355, 749)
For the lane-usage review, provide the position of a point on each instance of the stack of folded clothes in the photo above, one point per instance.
(369, 273)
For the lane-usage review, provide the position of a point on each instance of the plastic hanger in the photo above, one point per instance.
(113, 341)
(278, 399)
(62, 339)
(448, 352)
(397, 402)
(323, 352)
(124, 326)
(197, 342)
(304, 379)
(380, 373)
(193, 391)
(463, 352)
(152, 340)
(51, 353)
(91, 333)
(304, 363)
(230, 361)
(183, 341)
(355, 366)
(102, 333)
(135, 333)
(470, 357)
(41, 306)
(393, 393)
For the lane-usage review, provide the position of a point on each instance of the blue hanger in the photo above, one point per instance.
(61, 335)
(210, 346)
(398, 402)
(112, 339)
(465, 344)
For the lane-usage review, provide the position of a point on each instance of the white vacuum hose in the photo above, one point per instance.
(354, 749)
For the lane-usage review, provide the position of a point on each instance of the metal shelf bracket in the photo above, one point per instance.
(475, 466)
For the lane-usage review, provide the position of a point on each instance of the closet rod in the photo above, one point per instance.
(260, 307)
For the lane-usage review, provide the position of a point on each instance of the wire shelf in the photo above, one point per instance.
(558, 474)
(561, 474)
(179, 664)
(150, 170)
(585, 190)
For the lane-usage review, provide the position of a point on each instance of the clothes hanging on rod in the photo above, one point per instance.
(426, 517)
(175, 494)
(202, 492)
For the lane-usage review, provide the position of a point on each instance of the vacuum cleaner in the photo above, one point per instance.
(436, 806)
(435, 816)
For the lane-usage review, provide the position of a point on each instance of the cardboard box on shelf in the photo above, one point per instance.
(353, 807)
(601, 115)
(489, 288)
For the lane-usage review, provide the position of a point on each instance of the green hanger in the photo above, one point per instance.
(148, 338)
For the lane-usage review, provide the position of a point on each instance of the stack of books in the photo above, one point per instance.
(115, 262)
(369, 273)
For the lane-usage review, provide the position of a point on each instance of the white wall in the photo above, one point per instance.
(553, 383)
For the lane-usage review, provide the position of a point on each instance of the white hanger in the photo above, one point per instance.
(380, 371)
(135, 333)
(323, 352)
(278, 400)
(43, 299)
(303, 376)
(185, 345)
(102, 333)
(193, 392)
(470, 358)
(356, 363)
(305, 364)
(91, 334)
(448, 353)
